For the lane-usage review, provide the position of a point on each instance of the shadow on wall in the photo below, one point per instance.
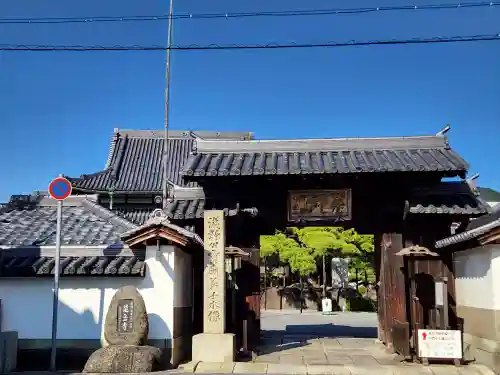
(157, 324)
(29, 311)
(34, 355)
(79, 333)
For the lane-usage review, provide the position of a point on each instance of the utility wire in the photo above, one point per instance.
(285, 13)
(195, 47)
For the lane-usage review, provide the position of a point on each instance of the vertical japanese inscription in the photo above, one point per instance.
(214, 279)
(125, 316)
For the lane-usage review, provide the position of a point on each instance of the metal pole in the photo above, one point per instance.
(233, 295)
(445, 303)
(167, 103)
(265, 283)
(56, 287)
(301, 294)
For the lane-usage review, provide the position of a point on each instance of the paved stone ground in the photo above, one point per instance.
(315, 339)
(312, 343)
(341, 344)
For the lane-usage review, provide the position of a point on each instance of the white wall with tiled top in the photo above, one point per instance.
(84, 301)
(477, 276)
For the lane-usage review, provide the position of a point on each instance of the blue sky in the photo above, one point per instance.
(58, 109)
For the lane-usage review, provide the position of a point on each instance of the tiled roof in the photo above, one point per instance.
(160, 221)
(136, 215)
(456, 198)
(452, 198)
(181, 209)
(476, 228)
(316, 156)
(32, 222)
(135, 160)
(72, 266)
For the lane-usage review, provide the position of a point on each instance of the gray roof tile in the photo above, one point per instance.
(162, 221)
(26, 266)
(179, 209)
(316, 156)
(453, 198)
(33, 223)
(135, 160)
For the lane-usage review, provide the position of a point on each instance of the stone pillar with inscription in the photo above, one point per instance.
(214, 345)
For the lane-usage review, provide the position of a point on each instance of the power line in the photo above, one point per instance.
(195, 47)
(285, 13)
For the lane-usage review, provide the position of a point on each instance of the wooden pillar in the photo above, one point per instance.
(392, 284)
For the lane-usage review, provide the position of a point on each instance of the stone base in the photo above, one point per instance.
(124, 359)
(214, 347)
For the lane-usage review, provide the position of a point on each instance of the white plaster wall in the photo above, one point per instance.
(476, 274)
(84, 301)
(183, 286)
(495, 274)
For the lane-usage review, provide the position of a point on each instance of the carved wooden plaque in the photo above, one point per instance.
(319, 204)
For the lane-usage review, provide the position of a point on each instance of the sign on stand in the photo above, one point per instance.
(326, 306)
(440, 344)
(59, 189)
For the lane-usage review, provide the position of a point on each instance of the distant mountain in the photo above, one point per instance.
(489, 195)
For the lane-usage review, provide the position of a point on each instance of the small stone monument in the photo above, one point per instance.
(126, 331)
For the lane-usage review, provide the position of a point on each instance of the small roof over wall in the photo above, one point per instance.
(452, 198)
(484, 229)
(159, 227)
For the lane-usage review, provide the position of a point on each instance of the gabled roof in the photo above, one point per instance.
(159, 227)
(31, 221)
(318, 156)
(135, 160)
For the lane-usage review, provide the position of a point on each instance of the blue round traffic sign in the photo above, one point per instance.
(60, 188)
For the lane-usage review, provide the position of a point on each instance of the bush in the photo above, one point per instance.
(361, 304)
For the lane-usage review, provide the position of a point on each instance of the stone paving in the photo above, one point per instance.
(315, 350)
(339, 344)
(316, 339)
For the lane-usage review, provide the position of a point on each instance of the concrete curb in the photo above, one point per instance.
(269, 368)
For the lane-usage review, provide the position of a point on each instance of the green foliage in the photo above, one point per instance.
(363, 265)
(361, 304)
(301, 248)
(278, 243)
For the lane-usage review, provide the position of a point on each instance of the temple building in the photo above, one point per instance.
(115, 232)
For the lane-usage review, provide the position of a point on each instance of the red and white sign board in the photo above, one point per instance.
(439, 343)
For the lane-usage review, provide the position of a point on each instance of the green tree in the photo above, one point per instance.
(290, 251)
(301, 248)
